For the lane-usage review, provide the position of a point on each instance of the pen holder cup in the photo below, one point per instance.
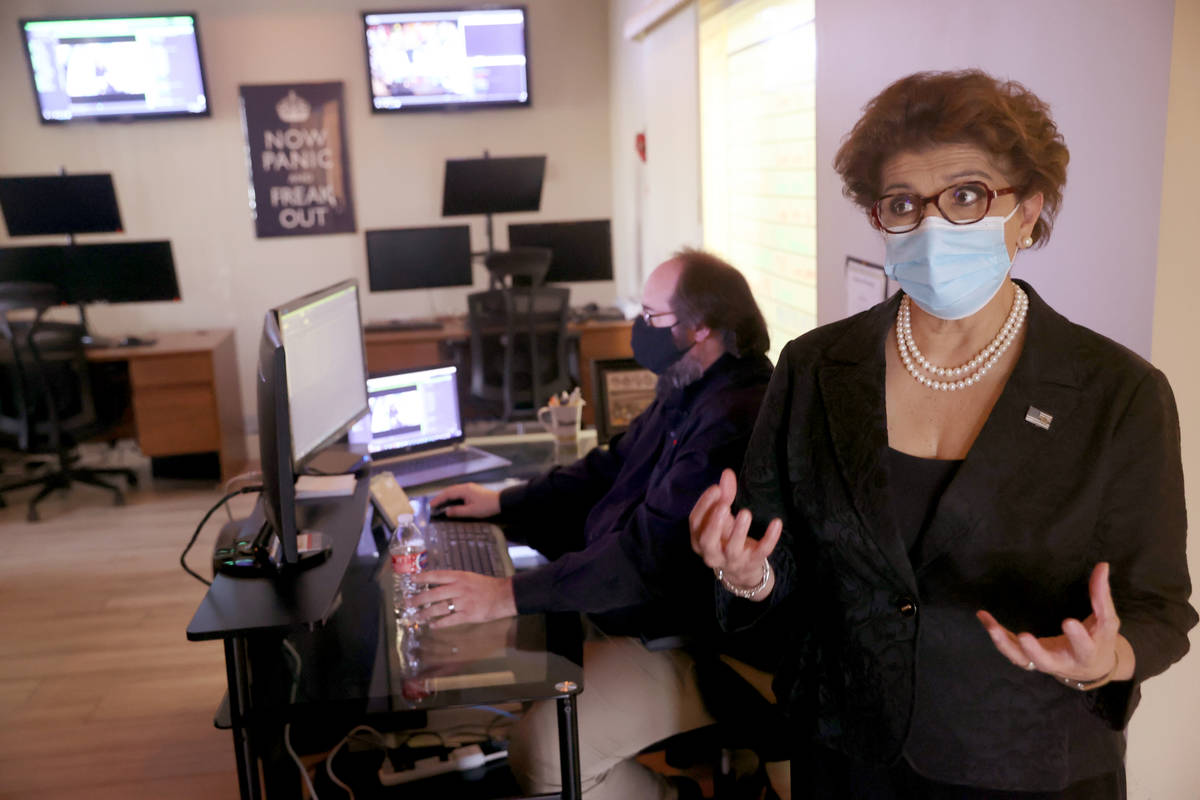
(562, 422)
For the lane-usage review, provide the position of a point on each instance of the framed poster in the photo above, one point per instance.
(623, 390)
(299, 167)
(866, 285)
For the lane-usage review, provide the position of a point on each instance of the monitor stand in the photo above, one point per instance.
(247, 548)
(338, 459)
(88, 339)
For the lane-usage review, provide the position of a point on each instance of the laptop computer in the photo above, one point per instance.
(415, 427)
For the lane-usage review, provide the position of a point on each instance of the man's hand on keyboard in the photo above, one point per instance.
(458, 598)
(476, 501)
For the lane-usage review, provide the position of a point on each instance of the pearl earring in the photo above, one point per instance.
(1027, 242)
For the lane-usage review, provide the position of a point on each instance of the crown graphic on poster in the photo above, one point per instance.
(293, 108)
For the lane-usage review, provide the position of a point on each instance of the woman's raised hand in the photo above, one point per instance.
(1091, 651)
(720, 538)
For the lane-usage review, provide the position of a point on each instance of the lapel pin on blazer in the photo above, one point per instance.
(1035, 416)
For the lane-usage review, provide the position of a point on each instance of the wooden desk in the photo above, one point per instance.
(394, 350)
(186, 395)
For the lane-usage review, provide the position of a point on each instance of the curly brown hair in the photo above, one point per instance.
(1001, 118)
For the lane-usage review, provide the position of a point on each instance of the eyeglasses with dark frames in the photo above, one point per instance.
(649, 316)
(959, 204)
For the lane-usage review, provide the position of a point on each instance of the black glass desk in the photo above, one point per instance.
(347, 662)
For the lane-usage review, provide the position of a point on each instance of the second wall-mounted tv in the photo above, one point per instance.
(116, 68)
(447, 59)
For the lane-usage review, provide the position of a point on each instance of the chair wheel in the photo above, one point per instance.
(119, 500)
(131, 480)
(32, 516)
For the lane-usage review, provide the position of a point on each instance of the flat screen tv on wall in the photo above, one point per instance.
(447, 59)
(115, 68)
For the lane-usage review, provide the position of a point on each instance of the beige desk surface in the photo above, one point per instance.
(169, 343)
(455, 328)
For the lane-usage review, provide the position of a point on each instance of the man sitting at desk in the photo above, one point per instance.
(615, 526)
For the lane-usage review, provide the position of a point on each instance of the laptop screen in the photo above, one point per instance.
(411, 410)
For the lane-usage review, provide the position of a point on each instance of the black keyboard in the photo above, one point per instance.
(405, 325)
(469, 546)
(432, 461)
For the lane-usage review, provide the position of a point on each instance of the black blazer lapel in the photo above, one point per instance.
(852, 392)
(1043, 379)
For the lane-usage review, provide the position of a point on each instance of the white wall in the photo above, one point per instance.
(1163, 735)
(1102, 65)
(672, 98)
(656, 205)
(186, 180)
(628, 118)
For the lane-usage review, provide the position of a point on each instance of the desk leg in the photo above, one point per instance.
(236, 674)
(568, 746)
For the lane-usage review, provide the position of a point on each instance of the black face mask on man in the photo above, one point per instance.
(655, 348)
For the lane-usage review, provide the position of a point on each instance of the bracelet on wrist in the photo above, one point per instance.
(746, 592)
(1087, 686)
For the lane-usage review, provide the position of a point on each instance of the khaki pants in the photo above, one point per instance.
(631, 699)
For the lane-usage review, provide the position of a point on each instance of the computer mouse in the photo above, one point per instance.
(439, 511)
(592, 307)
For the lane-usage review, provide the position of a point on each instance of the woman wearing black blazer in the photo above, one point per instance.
(978, 504)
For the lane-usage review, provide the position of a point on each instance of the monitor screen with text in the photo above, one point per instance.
(326, 367)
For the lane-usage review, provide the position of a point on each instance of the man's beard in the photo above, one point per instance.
(683, 372)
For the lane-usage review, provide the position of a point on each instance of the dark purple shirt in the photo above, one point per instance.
(615, 524)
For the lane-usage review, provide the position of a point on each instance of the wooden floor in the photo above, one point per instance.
(101, 694)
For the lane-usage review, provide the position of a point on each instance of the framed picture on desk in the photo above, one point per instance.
(623, 390)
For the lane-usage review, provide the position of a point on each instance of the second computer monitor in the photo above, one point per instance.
(322, 340)
(419, 258)
(493, 185)
(122, 272)
(36, 205)
(109, 272)
(582, 250)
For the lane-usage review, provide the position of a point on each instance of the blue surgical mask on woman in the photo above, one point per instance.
(950, 271)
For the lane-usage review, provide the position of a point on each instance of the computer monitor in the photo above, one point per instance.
(419, 258)
(411, 410)
(322, 339)
(278, 499)
(38, 264)
(122, 272)
(116, 67)
(493, 185)
(40, 205)
(582, 250)
(448, 58)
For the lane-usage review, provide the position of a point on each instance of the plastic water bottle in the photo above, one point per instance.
(409, 558)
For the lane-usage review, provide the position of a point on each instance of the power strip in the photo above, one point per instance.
(459, 760)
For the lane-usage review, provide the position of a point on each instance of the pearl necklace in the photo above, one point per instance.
(977, 367)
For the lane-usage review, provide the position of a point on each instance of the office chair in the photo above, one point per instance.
(521, 266)
(518, 347)
(47, 406)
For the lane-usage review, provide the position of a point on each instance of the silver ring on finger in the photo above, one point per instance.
(1030, 667)
(449, 607)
